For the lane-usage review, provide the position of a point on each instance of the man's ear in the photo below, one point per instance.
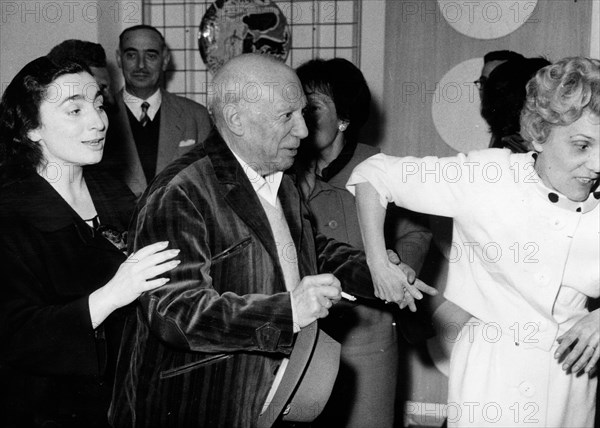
(232, 119)
(118, 58)
(166, 59)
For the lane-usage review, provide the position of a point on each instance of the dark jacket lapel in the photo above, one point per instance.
(340, 174)
(45, 209)
(171, 130)
(292, 208)
(49, 212)
(239, 193)
(121, 138)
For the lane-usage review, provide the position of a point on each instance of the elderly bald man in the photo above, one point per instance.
(204, 349)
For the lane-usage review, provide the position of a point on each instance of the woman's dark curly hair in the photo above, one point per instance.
(558, 95)
(20, 110)
(345, 84)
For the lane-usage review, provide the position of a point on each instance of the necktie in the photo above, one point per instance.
(144, 118)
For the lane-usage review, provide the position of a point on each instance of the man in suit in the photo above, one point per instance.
(151, 126)
(205, 349)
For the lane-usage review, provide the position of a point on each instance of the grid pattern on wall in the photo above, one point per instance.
(320, 29)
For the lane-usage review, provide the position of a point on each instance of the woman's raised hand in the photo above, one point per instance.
(136, 275)
(139, 273)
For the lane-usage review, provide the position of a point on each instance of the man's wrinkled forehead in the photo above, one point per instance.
(289, 103)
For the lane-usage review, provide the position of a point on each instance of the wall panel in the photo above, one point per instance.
(421, 47)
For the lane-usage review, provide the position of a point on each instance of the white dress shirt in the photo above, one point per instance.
(134, 104)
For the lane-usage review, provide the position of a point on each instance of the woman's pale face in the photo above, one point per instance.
(321, 119)
(73, 121)
(569, 161)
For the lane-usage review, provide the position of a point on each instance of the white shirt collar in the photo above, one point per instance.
(558, 199)
(134, 104)
(267, 187)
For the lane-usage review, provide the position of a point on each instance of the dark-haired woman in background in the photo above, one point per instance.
(338, 105)
(61, 251)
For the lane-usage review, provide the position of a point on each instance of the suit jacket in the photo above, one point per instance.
(183, 123)
(54, 367)
(203, 350)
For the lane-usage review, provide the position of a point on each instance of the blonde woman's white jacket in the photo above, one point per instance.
(524, 260)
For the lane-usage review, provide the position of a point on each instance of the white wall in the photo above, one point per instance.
(117, 15)
(29, 29)
(595, 36)
(372, 45)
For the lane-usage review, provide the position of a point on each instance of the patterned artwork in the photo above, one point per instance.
(232, 27)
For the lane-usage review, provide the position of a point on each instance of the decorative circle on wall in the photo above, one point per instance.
(485, 19)
(232, 27)
(455, 108)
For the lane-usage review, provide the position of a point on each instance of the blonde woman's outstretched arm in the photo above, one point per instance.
(392, 283)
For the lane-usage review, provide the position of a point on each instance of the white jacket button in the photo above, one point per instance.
(526, 388)
(542, 278)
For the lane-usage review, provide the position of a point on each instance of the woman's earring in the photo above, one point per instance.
(342, 126)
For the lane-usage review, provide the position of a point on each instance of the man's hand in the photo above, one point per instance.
(313, 297)
(397, 282)
(580, 346)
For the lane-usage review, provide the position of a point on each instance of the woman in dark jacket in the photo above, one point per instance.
(338, 105)
(62, 257)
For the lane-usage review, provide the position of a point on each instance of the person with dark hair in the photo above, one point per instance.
(527, 240)
(339, 100)
(65, 274)
(90, 54)
(503, 98)
(498, 57)
(211, 348)
(151, 126)
(491, 60)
